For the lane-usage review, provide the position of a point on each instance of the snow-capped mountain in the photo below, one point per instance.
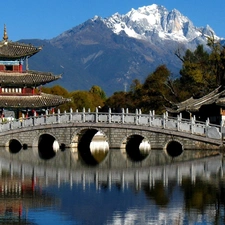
(156, 20)
(112, 52)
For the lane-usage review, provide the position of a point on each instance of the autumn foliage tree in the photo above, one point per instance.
(78, 99)
(58, 90)
(91, 99)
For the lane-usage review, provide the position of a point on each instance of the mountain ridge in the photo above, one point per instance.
(111, 52)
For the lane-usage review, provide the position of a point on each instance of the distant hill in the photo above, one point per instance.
(111, 52)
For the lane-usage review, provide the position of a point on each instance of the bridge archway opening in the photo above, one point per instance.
(14, 146)
(25, 146)
(137, 148)
(92, 146)
(174, 149)
(46, 146)
(62, 147)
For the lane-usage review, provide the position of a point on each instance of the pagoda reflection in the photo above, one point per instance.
(20, 194)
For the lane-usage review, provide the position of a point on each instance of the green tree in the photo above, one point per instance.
(217, 59)
(155, 90)
(120, 100)
(98, 91)
(196, 78)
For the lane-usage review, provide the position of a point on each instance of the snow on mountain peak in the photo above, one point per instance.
(151, 20)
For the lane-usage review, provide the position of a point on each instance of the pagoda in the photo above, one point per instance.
(20, 89)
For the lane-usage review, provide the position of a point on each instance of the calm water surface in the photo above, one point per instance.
(177, 194)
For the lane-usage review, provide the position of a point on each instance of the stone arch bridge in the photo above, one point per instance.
(48, 135)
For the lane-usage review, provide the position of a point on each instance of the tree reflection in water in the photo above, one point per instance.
(153, 195)
(201, 196)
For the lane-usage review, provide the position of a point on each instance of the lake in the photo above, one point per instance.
(178, 193)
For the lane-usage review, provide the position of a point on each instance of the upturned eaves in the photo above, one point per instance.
(37, 101)
(217, 97)
(15, 50)
(27, 78)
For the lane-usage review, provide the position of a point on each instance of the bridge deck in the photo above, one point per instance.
(156, 123)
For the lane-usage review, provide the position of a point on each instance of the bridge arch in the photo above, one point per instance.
(174, 148)
(135, 147)
(47, 145)
(14, 145)
(86, 152)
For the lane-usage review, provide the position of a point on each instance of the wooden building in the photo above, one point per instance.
(20, 89)
(210, 106)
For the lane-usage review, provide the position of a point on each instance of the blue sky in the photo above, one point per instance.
(45, 19)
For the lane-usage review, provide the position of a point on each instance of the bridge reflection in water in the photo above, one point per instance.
(151, 180)
(123, 176)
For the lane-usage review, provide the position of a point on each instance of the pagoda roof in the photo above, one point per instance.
(26, 78)
(37, 101)
(216, 97)
(14, 50)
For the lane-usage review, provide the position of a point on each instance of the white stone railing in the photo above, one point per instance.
(148, 120)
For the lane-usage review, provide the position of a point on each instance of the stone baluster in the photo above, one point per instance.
(193, 124)
(206, 127)
(139, 116)
(58, 116)
(164, 121)
(150, 118)
(34, 118)
(96, 114)
(136, 117)
(110, 115)
(71, 114)
(178, 122)
(84, 115)
(167, 117)
(153, 114)
(123, 117)
(46, 116)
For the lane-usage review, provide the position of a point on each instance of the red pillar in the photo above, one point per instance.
(20, 68)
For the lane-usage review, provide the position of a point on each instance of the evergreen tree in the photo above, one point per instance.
(196, 78)
(155, 90)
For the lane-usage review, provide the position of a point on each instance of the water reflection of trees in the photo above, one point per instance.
(158, 193)
(199, 196)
